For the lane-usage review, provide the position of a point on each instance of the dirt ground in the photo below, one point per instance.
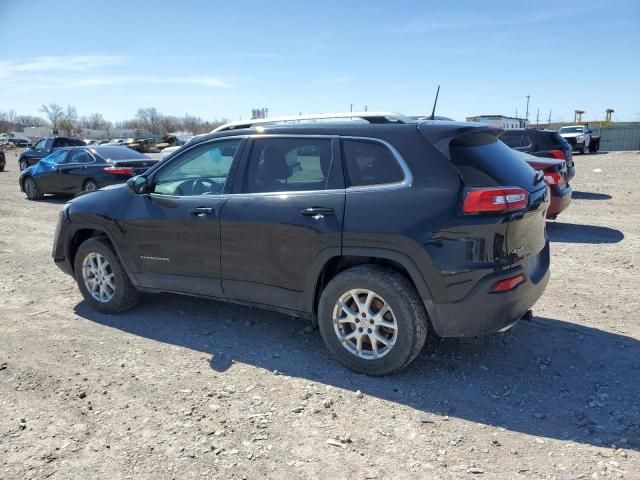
(187, 388)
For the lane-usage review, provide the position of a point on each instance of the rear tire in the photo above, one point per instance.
(89, 186)
(102, 279)
(406, 311)
(30, 187)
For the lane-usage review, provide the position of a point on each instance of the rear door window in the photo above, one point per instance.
(289, 165)
(370, 163)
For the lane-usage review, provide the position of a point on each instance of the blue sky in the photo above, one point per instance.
(221, 59)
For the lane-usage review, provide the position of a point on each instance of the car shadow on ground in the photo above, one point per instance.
(545, 377)
(576, 195)
(575, 233)
(53, 199)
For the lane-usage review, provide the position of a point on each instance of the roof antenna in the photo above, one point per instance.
(433, 112)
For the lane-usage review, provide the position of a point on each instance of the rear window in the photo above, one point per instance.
(512, 139)
(119, 153)
(370, 163)
(558, 141)
(484, 161)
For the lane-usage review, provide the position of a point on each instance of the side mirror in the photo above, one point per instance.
(138, 184)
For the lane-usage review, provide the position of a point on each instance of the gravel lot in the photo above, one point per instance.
(188, 388)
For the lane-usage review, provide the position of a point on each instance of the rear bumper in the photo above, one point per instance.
(481, 312)
(560, 200)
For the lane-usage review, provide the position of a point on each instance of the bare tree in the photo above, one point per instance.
(30, 121)
(150, 119)
(68, 122)
(94, 121)
(54, 113)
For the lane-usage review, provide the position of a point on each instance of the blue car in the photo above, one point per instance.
(82, 169)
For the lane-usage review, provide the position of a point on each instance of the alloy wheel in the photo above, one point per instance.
(365, 324)
(30, 188)
(90, 186)
(98, 277)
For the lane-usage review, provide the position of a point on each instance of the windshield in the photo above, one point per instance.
(572, 130)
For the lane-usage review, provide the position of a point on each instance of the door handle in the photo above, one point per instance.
(317, 212)
(202, 211)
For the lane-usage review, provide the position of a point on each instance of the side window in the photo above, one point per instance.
(48, 144)
(513, 140)
(40, 144)
(370, 163)
(57, 157)
(79, 156)
(288, 165)
(200, 171)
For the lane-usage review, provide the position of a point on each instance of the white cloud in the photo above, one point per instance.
(67, 63)
(86, 71)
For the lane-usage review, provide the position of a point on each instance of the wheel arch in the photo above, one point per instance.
(82, 232)
(329, 264)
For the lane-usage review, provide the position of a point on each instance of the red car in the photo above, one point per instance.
(556, 174)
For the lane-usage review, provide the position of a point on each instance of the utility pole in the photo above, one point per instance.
(538, 119)
(351, 107)
(527, 114)
(549, 122)
(366, 109)
(516, 112)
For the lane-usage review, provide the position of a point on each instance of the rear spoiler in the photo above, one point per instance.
(440, 133)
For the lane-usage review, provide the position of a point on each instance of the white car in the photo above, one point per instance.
(578, 136)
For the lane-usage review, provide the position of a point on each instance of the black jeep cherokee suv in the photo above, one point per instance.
(374, 231)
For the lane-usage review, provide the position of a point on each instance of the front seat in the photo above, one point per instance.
(273, 171)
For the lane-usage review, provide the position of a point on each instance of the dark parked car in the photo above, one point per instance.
(3, 160)
(18, 142)
(374, 232)
(557, 177)
(44, 147)
(541, 143)
(82, 169)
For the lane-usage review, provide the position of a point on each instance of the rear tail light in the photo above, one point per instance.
(507, 284)
(553, 178)
(494, 200)
(119, 170)
(559, 154)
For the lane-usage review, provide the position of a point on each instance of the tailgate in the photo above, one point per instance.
(526, 236)
(485, 162)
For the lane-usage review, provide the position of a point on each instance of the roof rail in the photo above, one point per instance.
(371, 117)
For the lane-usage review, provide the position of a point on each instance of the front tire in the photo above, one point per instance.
(102, 279)
(372, 320)
(31, 189)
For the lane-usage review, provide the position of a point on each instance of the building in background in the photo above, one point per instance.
(36, 132)
(500, 121)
